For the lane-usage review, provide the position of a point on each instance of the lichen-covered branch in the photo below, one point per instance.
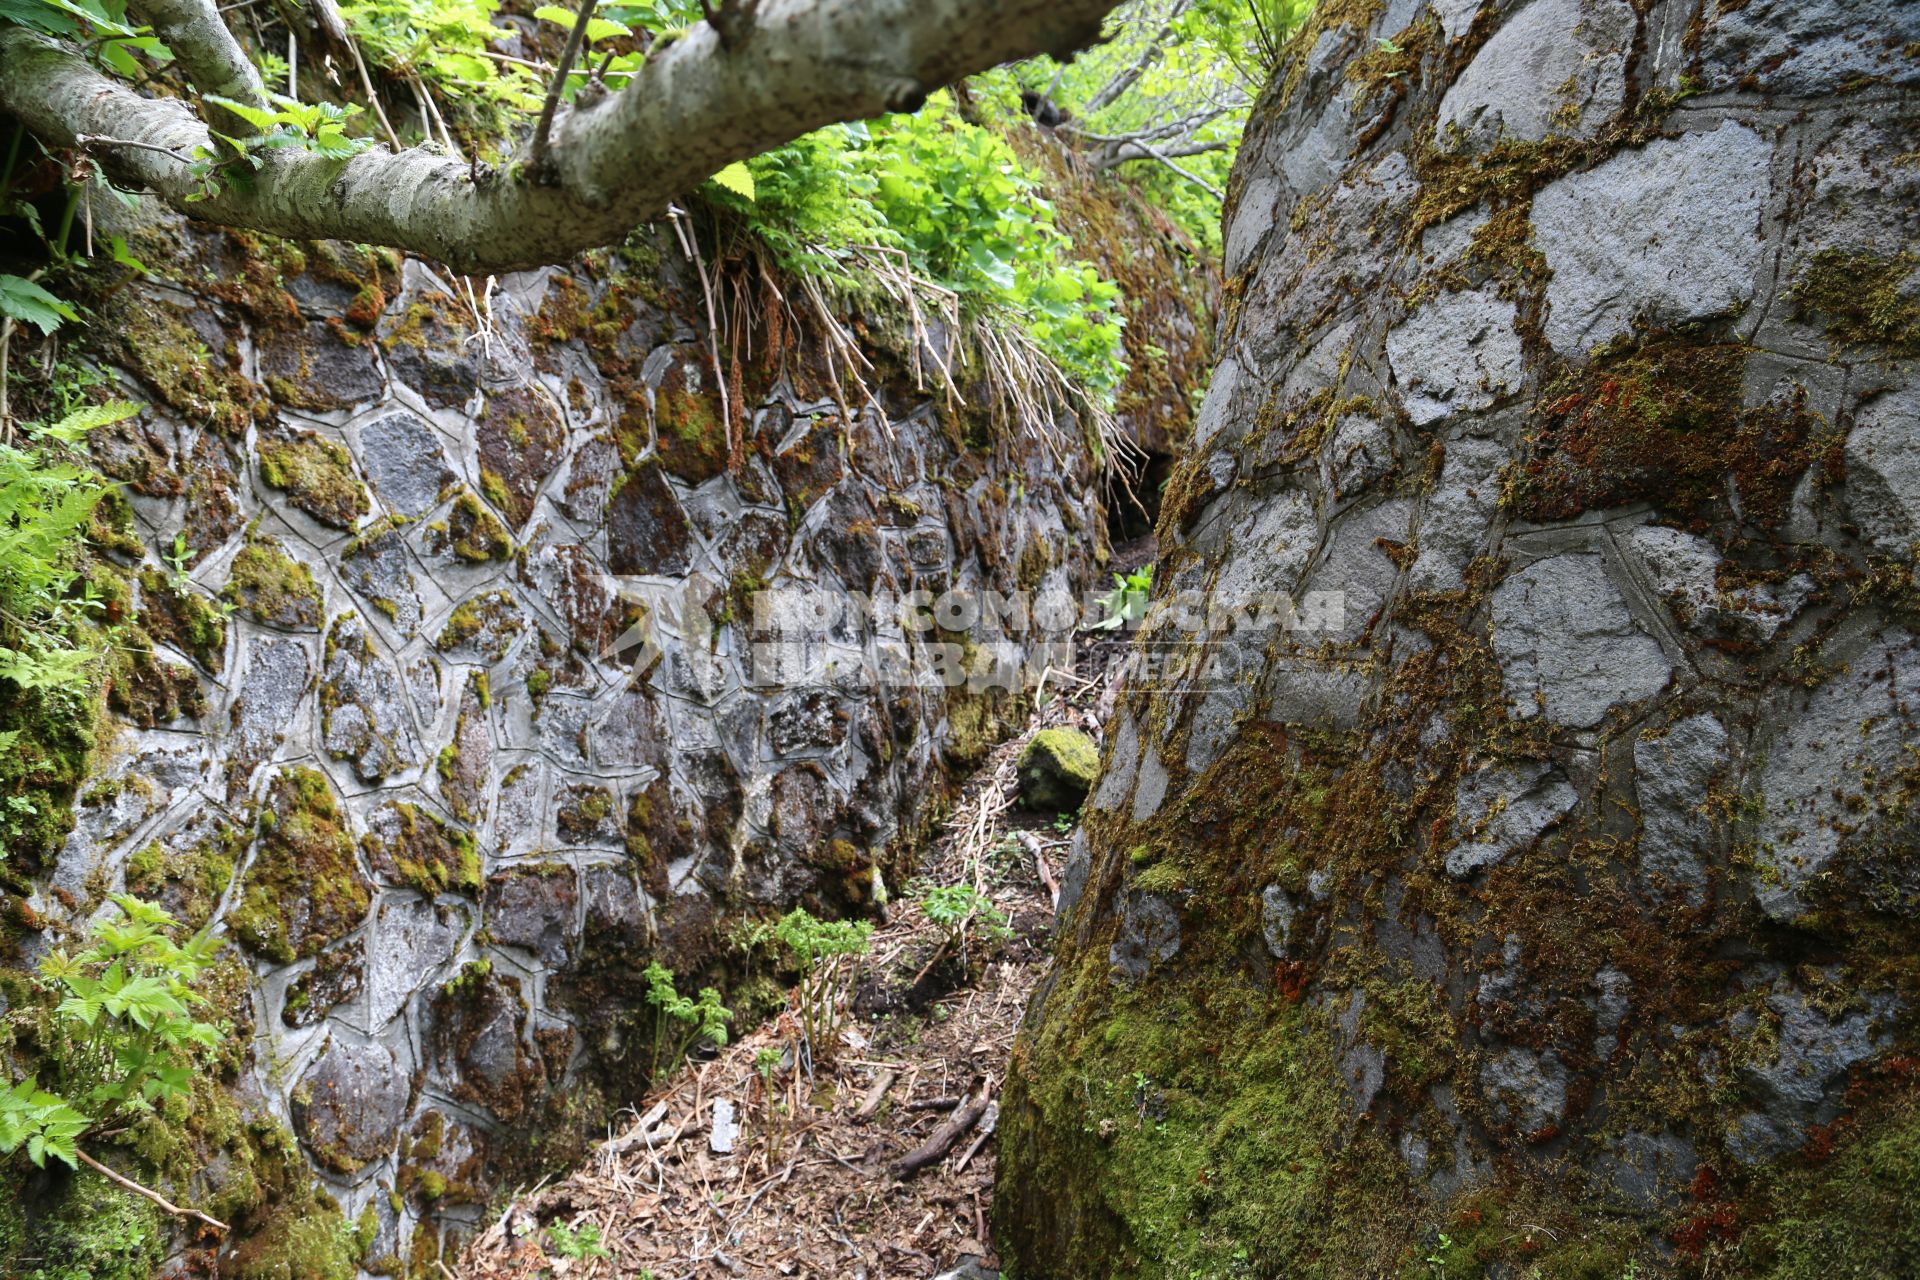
(692, 109)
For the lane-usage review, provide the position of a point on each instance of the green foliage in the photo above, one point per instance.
(699, 1019)
(122, 1038)
(955, 907)
(25, 301)
(319, 127)
(101, 24)
(91, 1230)
(1126, 604)
(828, 954)
(576, 1245)
(952, 202)
(46, 505)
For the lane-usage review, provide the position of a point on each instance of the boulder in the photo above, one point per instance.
(1057, 769)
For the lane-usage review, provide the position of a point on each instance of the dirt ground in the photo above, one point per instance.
(813, 1186)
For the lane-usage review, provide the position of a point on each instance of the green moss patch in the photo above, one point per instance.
(1661, 422)
(304, 889)
(317, 476)
(471, 532)
(1861, 297)
(179, 617)
(1057, 769)
(272, 587)
(412, 847)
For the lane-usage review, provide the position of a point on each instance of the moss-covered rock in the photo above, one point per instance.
(1057, 768)
(470, 532)
(184, 619)
(316, 474)
(272, 587)
(82, 1227)
(409, 846)
(304, 889)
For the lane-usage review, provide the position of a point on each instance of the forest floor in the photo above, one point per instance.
(813, 1187)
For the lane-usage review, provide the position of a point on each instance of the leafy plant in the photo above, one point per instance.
(23, 300)
(680, 1022)
(319, 127)
(45, 507)
(576, 1245)
(955, 908)
(1126, 604)
(828, 954)
(123, 1035)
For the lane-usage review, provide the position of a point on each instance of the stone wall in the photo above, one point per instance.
(442, 697)
(1552, 908)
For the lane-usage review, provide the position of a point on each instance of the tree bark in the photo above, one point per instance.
(694, 108)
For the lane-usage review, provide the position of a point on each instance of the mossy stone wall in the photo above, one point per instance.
(1538, 894)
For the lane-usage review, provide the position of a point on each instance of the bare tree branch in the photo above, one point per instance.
(128, 1183)
(213, 60)
(1123, 80)
(1141, 151)
(537, 155)
(692, 109)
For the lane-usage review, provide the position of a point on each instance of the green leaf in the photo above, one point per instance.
(25, 300)
(259, 117)
(736, 178)
(77, 424)
(597, 28)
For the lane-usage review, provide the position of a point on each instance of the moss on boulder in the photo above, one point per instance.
(1057, 769)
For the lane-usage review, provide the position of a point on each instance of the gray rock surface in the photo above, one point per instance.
(1578, 46)
(1149, 935)
(1828, 770)
(1672, 772)
(1570, 648)
(1457, 353)
(405, 463)
(1631, 239)
(349, 1104)
(1883, 470)
(1502, 809)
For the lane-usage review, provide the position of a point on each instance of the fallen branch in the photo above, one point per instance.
(129, 1184)
(876, 1095)
(942, 1139)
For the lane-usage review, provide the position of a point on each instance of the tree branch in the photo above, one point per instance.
(691, 110)
(1141, 151)
(121, 1180)
(537, 155)
(212, 59)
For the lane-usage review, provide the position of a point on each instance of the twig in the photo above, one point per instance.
(98, 140)
(130, 1185)
(942, 1139)
(366, 83)
(876, 1095)
(537, 155)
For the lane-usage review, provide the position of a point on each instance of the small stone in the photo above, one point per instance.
(1569, 646)
(1631, 239)
(519, 438)
(1057, 769)
(1883, 470)
(405, 462)
(1504, 808)
(1672, 772)
(350, 1104)
(721, 1134)
(363, 706)
(647, 529)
